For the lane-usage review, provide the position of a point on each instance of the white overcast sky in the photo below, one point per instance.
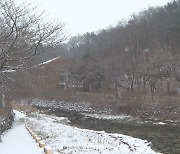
(81, 16)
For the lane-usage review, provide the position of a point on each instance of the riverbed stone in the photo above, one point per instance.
(177, 145)
(165, 151)
(176, 151)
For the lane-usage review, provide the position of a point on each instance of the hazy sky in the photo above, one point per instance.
(81, 16)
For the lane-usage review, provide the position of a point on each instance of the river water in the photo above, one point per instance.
(164, 138)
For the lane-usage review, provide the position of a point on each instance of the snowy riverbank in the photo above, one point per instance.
(64, 138)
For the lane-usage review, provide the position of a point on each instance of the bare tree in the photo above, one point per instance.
(23, 34)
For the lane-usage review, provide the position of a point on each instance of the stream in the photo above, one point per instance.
(164, 138)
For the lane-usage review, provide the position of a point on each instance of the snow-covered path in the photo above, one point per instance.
(17, 140)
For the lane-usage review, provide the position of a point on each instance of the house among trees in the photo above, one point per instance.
(51, 75)
(46, 78)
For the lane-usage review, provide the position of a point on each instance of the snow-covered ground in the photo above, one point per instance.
(17, 140)
(83, 107)
(109, 116)
(70, 106)
(66, 139)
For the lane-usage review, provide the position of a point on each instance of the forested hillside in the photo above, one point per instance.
(132, 68)
(138, 59)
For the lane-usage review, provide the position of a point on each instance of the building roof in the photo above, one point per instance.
(54, 61)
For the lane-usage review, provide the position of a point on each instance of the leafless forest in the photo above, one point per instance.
(132, 68)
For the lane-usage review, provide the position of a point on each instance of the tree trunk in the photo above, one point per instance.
(0, 130)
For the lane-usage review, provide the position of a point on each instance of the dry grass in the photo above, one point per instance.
(135, 102)
(25, 108)
(5, 111)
